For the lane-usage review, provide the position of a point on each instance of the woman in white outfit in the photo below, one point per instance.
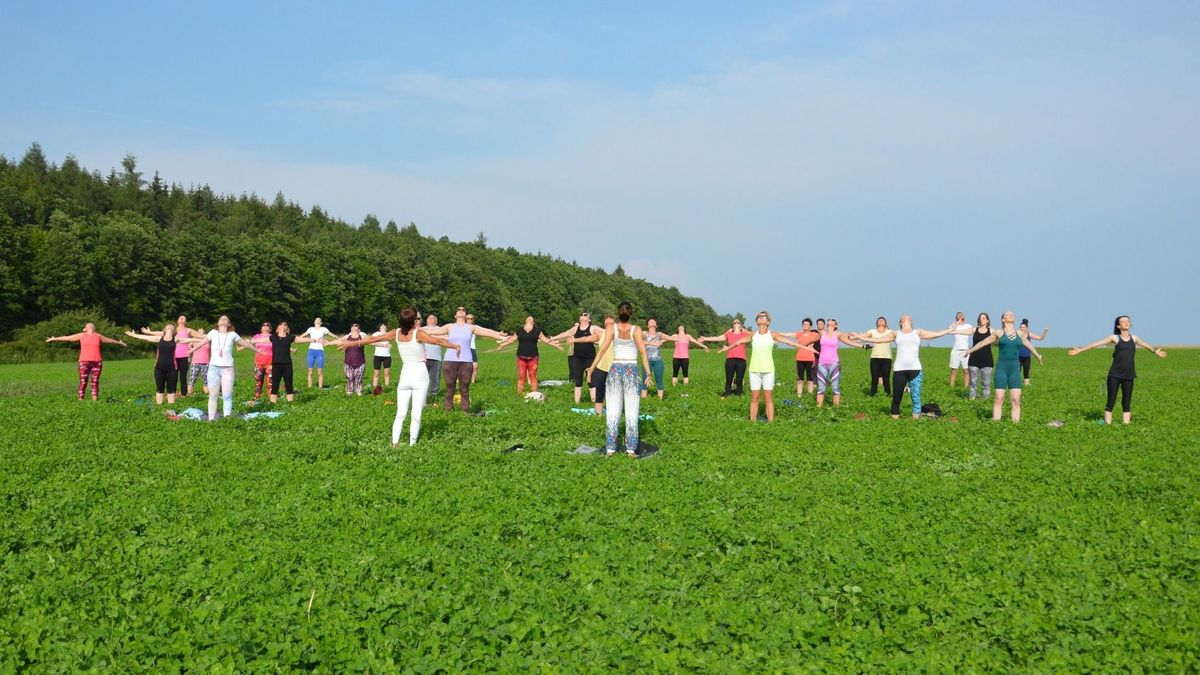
(414, 378)
(623, 387)
(220, 368)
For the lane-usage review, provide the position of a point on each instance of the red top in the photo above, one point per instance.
(89, 347)
(806, 339)
(262, 349)
(738, 352)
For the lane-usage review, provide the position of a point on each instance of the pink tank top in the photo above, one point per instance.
(829, 348)
(681, 350)
(182, 348)
(203, 354)
(89, 347)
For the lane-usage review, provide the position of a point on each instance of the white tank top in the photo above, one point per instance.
(624, 351)
(410, 350)
(908, 346)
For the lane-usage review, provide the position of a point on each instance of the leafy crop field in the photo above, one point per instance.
(821, 542)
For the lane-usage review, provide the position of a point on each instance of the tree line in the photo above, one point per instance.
(140, 251)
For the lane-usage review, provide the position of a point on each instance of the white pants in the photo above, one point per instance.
(958, 359)
(410, 391)
(220, 383)
(760, 381)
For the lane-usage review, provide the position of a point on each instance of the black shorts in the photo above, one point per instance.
(804, 370)
(600, 384)
(164, 380)
(383, 362)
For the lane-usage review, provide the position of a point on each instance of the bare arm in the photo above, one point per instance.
(135, 336)
(935, 334)
(1029, 346)
(439, 341)
(731, 345)
(698, 342)
(604, 344)
(783, 338)
(379, 338)
(847, 340)
(1034, 336)
(197, 345)
(65, 338)
(641, 345)
(1160, 353)
(566, 333)
(1098, 343)
(982, 343)
(547, 340)
(109, 341)
(890, 336)
(488, 333)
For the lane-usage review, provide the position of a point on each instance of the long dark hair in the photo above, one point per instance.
(407, 319)
(624, 311)
(1117, 324)
(983, 315)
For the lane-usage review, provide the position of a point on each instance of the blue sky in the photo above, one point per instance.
(843, 159)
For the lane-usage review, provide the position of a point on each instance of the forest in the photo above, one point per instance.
(128, 251)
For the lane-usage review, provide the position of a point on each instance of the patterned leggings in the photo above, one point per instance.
(622, 392)
(354, 378)
(90, 370)
(911, 379)
(829, 375)
(977, 374)
(262, 375)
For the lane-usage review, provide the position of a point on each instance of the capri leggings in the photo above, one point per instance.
(879, 371)
(735, 375)
(181, 370)
(164, 380)
(679, 365)
(579, 364)
(281, 372)
(829, 376)
(805, 372)
(1126, 387)
(657, 369)
(912, 380)
(978, 375)
(262, 375)
(90, 370)
(198, 371)
(1025, 360)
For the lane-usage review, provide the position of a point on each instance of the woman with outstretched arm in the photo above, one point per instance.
(1007, 374)
(762, 362)
(90, 360)
(907, 370)
(222, 340)
(165, 369)
(681, 360)
(1121, 373)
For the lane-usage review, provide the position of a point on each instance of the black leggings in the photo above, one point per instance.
(181, 365)
(1025, 366)
(880, 369)
(164, 380)
(678, 365)
(578, 365)
(281, 372)
(1126, 387)
(735, 372)
(806, 371)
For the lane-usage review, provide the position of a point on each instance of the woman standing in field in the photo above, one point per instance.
(626, 342)
(735, 357)
(414, 378)
(281, 360)
(1008, 367)
(829, 365)
(681, 359)
(583, 349)
(527, 338)
(316, 351)
(90, 360)
(653, 341)
(1025, 360)
(222, 340)
(1121, 373)
(881, 354)
(980, 363)
(458, 366)
(762, 362)
(263, 359)
(354, 363)
(597, 373)
(907, 372)
(182, 367)
(382, 360)
(165, 373)
(433, 358)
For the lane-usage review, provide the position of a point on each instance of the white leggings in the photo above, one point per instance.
(220, 383)
(410, 390)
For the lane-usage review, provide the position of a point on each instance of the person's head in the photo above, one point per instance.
(408, 319)
(806, 324)
(89, 327)
(960, 317)
(529, 322)
(168, 331)
(830, 325)
(905, 322)
(762, 319)
(382, 328)
(820, 323)
(317, 322)
(265, 328)
(460, 313)
(354, 329)
(680, 329)
(1025, 323)
(431, 320)
(1008, 318)
(983, 320)
(282, 329)
(471, 318)
(181, 321)
(737, 325)
(1121, 323)
(881, 322)
(585, 319)
(224, 324)
(625, 311)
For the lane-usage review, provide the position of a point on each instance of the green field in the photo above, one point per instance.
(820, 542)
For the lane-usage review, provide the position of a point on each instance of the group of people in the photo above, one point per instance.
(621, 359)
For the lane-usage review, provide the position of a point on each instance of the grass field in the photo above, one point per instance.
(820, 542)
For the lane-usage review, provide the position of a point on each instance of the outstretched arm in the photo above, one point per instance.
(1029, 346)
(198, 344)
(890, 336)
(135, 336)
(698, 342)
(1033, 336)
(783, 338)
(501, 344)
(439, 341)
(935, 334)
(1098, 343)
(65, 338)
(604, 344)
(1160, 353)
(982, 343)
(566, 333)
(109, 341)
(488, 333)
(641, 345)
(379, 338)
(731, 345)
(847, 340)
(543, 338)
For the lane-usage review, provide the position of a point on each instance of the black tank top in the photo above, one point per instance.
(585, 350)
(1122, 362)
(166, 355)
(983, 357)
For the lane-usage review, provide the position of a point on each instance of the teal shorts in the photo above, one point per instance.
(1007, 375)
